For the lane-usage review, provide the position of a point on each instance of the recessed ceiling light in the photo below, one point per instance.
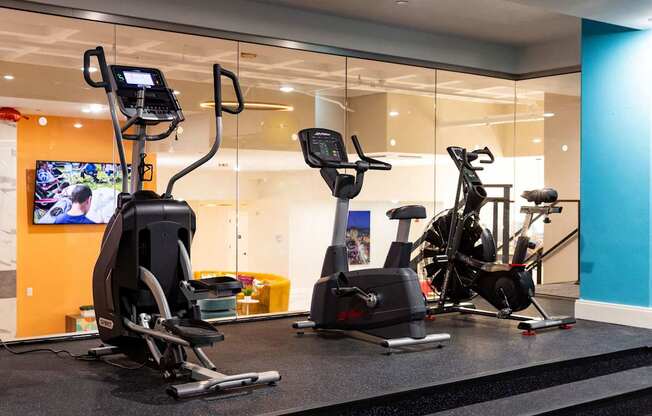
(564, 148)
(86, 110)
(546, 115)
(401, 2)
(8, 77)
(393, 113)
(42, 121)
(78, 125)
(91, 69)
(176, 92)
(536, 140)
(286, 88)
(295, 137)
(93, 108)
(392, 142)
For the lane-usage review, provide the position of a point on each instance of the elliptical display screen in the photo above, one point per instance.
(327, 146)
(138, 78)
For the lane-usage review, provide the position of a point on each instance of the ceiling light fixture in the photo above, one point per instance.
(91, 69)
(93, 108)
(176, 92)
(393, 113)
(392, 142)
(401, 2)
(536, 140)
(78, 125)
(286, 88)
(295, 137)
(251, 106)
(8, 77)
(564, 148)
(546, 115)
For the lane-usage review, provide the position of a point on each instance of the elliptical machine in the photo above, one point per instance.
(143, 290)
(383, 305)
(459, 255)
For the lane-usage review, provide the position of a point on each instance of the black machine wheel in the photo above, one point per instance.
(508, 290)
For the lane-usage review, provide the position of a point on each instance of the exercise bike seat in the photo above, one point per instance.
(222, 286)
(407, 212)
(197, 333)
(540, 196)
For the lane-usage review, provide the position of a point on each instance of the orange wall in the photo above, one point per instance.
(56, 261)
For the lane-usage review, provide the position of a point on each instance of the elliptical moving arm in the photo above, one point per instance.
(106, 84)
(218, 71)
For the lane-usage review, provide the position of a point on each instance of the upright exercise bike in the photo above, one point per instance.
(383, 305)
(143, 290)
(459, 255)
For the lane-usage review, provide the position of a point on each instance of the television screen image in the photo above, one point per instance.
(358, 241)
(75, 192)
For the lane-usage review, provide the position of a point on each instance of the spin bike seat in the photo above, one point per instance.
(407, 212)
(539, 196)
(222, 286)
(196, 332)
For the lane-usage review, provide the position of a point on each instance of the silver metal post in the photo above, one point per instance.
(506, 235)
(341, 221)
(137, 150)
(157, 291)
(117, 132)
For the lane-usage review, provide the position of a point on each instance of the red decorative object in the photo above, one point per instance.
(10, 114)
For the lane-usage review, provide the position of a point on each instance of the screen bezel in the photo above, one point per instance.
(33, 193)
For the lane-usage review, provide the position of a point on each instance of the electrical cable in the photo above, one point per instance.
(80, 357)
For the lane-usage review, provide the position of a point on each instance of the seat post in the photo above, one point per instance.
(403, 233)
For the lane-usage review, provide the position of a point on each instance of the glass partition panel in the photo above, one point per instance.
(476, 112)
(187, 64)
(285, 210)
(53, 135)
(391, 109)
(548, 154)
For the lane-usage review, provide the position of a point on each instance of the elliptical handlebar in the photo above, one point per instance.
(218, 72)
(486, 152)
(98, 52)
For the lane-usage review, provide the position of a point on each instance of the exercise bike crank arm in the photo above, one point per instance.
(370, 299)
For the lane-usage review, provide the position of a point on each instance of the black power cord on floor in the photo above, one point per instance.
(80, 357)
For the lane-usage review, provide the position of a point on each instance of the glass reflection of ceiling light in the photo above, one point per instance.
(393, 113)
(295, 137)
(176, 92)
(546, 115)
(93, 108)
(401, 2)
(78, 125)
(42, 121)
(286, 88)
(251, 106)
(536, 140)
(8, 77)
(392, 142)
(564, 148)
(91, 69)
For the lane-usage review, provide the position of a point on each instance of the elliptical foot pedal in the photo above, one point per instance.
(196, 332)
(529, 333)
(566, 326)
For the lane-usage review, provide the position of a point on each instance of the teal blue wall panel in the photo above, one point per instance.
(615, 164)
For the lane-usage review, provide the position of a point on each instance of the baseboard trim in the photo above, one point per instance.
(614, 313)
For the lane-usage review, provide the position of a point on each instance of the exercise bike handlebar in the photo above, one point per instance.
(374, 164)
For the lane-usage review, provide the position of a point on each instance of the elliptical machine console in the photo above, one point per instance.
(384, 305)
(144, 293)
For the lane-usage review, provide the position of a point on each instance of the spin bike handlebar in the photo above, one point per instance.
(467, 158)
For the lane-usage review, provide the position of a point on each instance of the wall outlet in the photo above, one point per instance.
(30, 291)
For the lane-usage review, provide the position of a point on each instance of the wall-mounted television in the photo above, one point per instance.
(68, 192)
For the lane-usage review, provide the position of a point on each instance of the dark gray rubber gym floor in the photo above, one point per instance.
(315, 370)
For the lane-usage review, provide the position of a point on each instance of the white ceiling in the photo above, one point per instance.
(499, 21)
(629, 13)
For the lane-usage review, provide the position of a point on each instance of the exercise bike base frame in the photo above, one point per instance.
(388, 343)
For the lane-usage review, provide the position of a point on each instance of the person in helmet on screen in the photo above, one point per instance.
(81, 198)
